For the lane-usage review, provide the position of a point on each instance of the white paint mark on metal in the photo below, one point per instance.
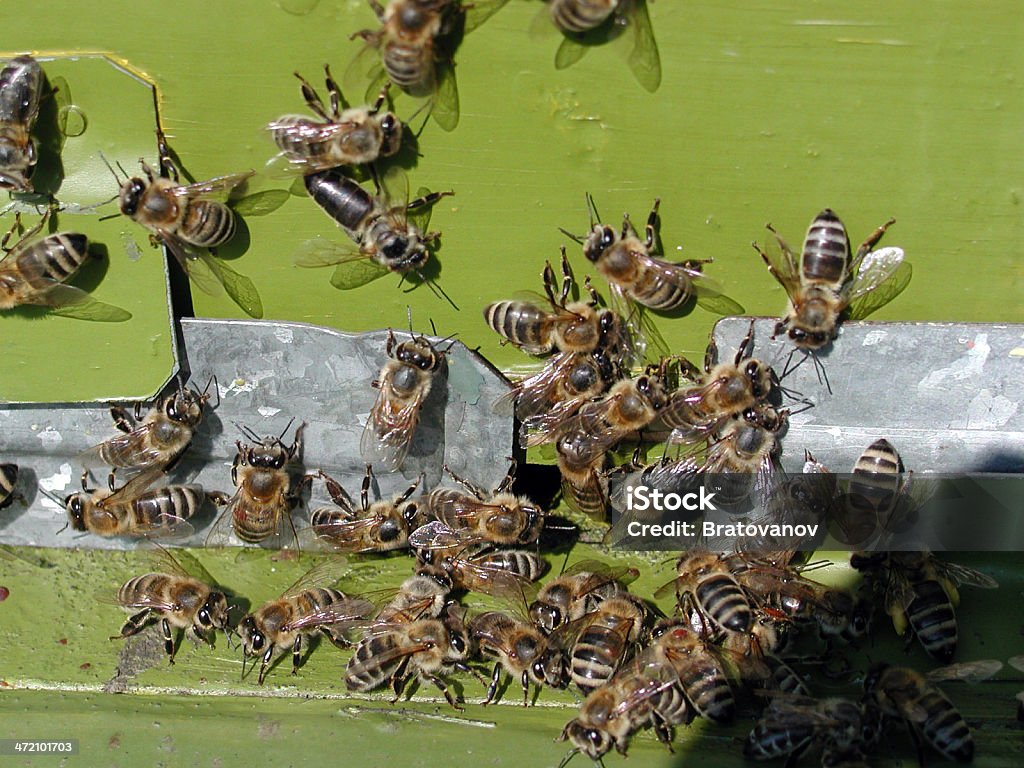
(874, 337)
(267, 412)
(50, 438)
(967, 367)
(988, 411)
(284, 334)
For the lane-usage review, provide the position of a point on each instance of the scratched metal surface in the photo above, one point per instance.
(948, 396)
(267, 374)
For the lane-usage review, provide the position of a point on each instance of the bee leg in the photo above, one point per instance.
(265, 664)
(364, 489)
(509, 478)
(428, 199)
(525, 680)
(377, 9)
(399, 679)
(168, 639)
(10, 233)
(296, 654)
(492, 689)
(410, 490)
(167, 164)
(121, 419)
(868, 244)
(746, 347)
(443, 688)
(337, 640)
(663, 730)
(478, 492)
(652, 221)
(338, 494)
(133, 625)
(313, 100)
(338, 101)
(466, 668)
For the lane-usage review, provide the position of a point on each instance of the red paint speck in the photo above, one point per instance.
(970, 345)
(63, 641)
(4, 593)
(87, 665)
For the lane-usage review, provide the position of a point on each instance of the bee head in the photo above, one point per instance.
(545, 615)
(214, 612)
(391, 134)
(809, 339)
(593, 742)
(75, 506)
(601, 238)
(184, 407)
(419, 353)
(18, 163)
(253, 640)
(131, 195)
(761, 378)
(874, 675)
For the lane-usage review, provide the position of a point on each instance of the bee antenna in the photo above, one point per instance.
(212, 381)
(437, 290)
(286, 428)
(247, 432)
(571, 236)
(595, 217)
(50, 495)
(572, 753)
(111, 169)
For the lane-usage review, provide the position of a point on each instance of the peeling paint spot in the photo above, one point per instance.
(988, 411)
(238, 386)
(55, 484)
(1017, 352)
(284, 335)
(50, 438)
(874, 337)
(967, 367)
(266, 411)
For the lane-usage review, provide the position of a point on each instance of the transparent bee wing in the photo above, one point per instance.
(364, 68)
(355, 274)
(1017, 662)
(138, 601)
(659, 679)
(394, 186)
(570, 51)
(322, 575)
(883, 275)
(480, 11)
(961, 574)
(68, 301)
(644, 59)
(387, 434)
(135, 486)
(655, 347)
(438, 535)
(782, 260)
(240, 288)
(603, 573)
(321, 252)
(220, 532)
(444, 108)
(350, 611)
(195, 267)
(218, 188)
(489, 579)
(541, 25)
(261, 203)
(967, 671)
(166, 526)
(340, 536)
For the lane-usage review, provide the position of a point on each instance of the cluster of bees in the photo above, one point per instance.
(737, 614)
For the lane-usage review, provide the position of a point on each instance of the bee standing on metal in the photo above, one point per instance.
(177, 599)
(381, 526)
(306, 607)
(705, 577)
(21, 86)
(829, 283)
(580, 20)
(403, 385)
(190, 221)
(349, 136)
(36, 273)
(8, 483)
(638, 277)
(134, 509)
(499, 517)
(416, 42)
(157, 440)
(259, 512)
(387, 238)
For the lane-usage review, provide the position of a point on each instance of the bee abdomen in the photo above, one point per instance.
(150, 583)
(826, 250)
(409, 67)
(656, 293)
(931, 615)
(710, 694)
(595, 657)
(723, 601)
(581, 15)
(207, 223)
(521, 323)
(54, 258)
(767, 742)
(21, 83)
(945, 728)
(341, 198)
(171, 501)
(365, 671)
(8, 479)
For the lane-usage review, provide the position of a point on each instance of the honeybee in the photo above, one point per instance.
(829, 283)
(919, 592)
(190, 221)
(405, 381)
(638, 277)
(880, 495)
(721, 391)
(134, 509)
(392, 653)
(422, 595)
(577, 591)
(157, 440)
(263, 499)
(177, 598)
(381, 526)
(606, 639)
(387, 237)
(417, 40)
(21, 86)
(307, 606)
(353, 136)
(499, 517)
(646, 692)
(755, 657)
(793, 726)
(473, 565)
(906, 695)
(580, 20)
(706, 578)
(584, 484)
(570, 326)
(35, 273)
(701, 673)
(520, 649)
(8, 484)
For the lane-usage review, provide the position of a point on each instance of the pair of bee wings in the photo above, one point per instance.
(632, 21)
(900, 590)
(389, 431)
(282, 537)
(135, 443)
(69, 301)
(880, 276)
(208, 272)
(307, 131)
(342, 534)
(442, 90)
